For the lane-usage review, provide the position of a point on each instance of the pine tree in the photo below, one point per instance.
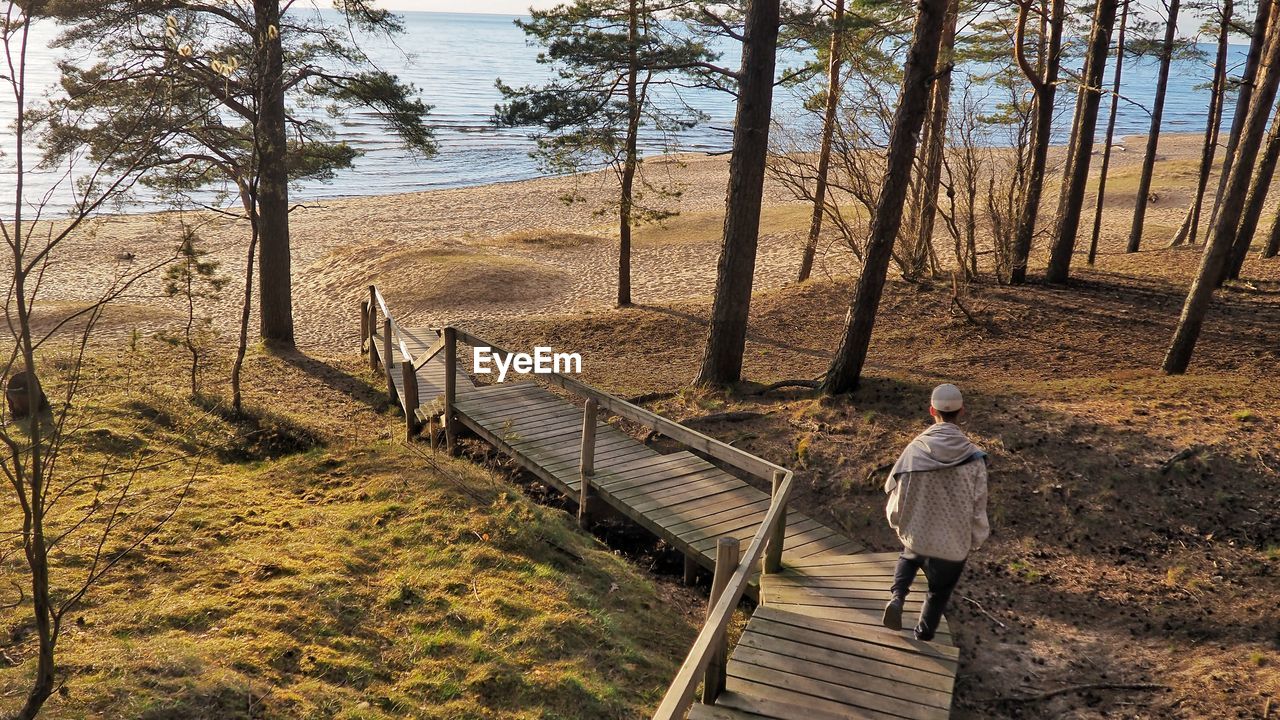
(846, 366)
(237, 74)
(610, 58)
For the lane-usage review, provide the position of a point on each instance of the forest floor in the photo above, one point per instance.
(1136, 526)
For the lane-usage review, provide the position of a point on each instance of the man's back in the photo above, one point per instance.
(941, 513)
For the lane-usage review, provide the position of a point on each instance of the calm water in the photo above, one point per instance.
(454, 59)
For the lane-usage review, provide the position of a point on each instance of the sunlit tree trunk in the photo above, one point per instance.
(1111, 130)
(1252, 212)
(935, 132)
(1190, 224)
(824, 152)
(922, 58)
(1153, 136)
(1045, 81)
(1072, 196)
(1248, 80)
(274, 263)
(1223, 232)
(631, 156)
(726, 341)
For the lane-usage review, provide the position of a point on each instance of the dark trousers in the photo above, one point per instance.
(942, 575)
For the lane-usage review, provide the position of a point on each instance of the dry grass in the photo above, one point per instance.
(430, 277)
(330, 574)
(549, 239)
(1065, 393)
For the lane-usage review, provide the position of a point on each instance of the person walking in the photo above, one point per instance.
(938, 507)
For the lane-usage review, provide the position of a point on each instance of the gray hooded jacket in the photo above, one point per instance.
(938, 494)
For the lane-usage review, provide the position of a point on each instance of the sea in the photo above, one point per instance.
(454, 59)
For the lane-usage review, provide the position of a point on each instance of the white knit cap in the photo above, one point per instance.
(947, 398)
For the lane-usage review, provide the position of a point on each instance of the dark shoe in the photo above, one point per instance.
(923, 635)
(893, 615)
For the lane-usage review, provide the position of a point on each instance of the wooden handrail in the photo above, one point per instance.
(432, 352)
(769, 536)
(680, 693)
(740, 459)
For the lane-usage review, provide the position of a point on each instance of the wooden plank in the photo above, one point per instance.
(610, 462)
(565, 453)
(772, 708)
(714, 524)
(808, 703)
(879, 636)
(847, 643)
(526, 411)
(797, 688)
(634, 490)
(678, 495)
(861, 663)
(672, 483)
(861, 617)
(746, 530)
(676, 480)
(485, 399)
(697, 470)
(714, 712)
(652, 472)
(863, 676)
(817, 599)
(482, 405)
(861, 559)
(554, 440)
(702, 507)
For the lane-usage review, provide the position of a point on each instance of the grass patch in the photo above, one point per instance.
(690, 228)
(433, 277)
(316, 577)
(550, 239)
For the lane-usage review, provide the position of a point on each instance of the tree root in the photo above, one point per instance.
(811, 384)
(1081, 688)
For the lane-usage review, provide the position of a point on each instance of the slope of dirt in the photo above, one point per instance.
(1109, 564)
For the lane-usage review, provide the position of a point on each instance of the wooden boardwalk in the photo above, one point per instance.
(814, 648)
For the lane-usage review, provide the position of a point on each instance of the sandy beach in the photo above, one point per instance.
(512, 249)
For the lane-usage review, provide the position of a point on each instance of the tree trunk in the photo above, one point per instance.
(630, 160)
(922, 59)
(722, 358)
(1153, 136)
(274, 274)
(1248, 80)
(1045, 81)
(1273, 241)
(246, 307)
(935, 133)
(1223, 233)
(1217, 93)
(1072, 197)
(1253, 203)
(1111, 131)
(824, 152)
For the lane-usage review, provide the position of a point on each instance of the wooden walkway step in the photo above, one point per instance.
(680, 497)
(814, 649)
(792, 665)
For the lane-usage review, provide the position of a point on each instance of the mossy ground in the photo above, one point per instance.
(319, 568)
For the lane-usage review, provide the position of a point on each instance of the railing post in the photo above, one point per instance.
(373, 328)
(728, 551)
(450, 387)
(364, 326)
(387, 358)
(410, 399)
(587, 462)
(773, 551)
(690, 570)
